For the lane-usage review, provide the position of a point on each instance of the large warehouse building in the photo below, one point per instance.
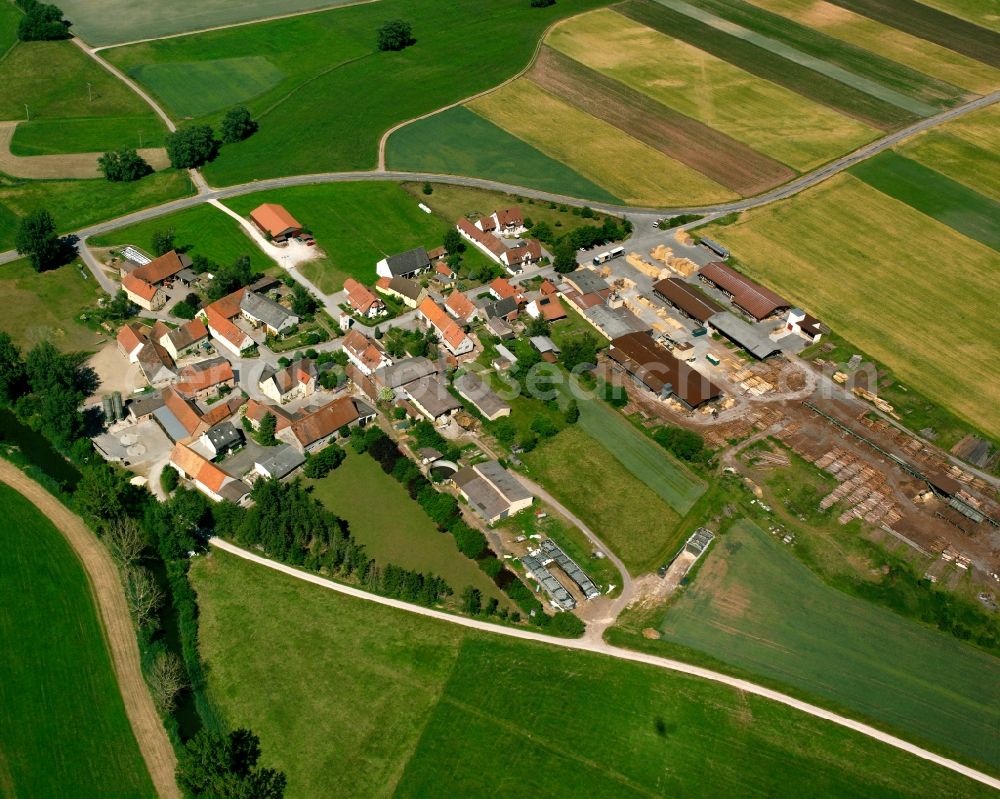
(658, 370)
(755, 299)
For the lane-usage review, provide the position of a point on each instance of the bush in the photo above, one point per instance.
(542, 3)
(42, 22)
(325, 461)
(184, 310)
(169, 479)
(123, 166)
(191, 146)
(469, 540)
(237, 125)
(395, 35)
(685, 444)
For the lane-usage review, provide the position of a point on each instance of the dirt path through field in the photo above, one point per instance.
(69, 166)
(117, 624)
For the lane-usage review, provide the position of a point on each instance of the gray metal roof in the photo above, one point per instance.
(615, 322)
(552, 550)
(503, 481)
(472, 388)
(432, 396)
(587, 281)
(234, 490)
(406, 263)
(543, 344)
(749, 337)
(281, 461)
(170, 423)
(483, 498)
(147, 404)
(555, 589)
(405, 371)
(265, 310)
(506, 354)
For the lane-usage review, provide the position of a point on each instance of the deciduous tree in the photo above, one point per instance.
(123, 166)
(238, 124)
(395, 34)
(13, 378)
(143, 595)
(162, 241)
(191, 146)
(36, 238)
(166, 680)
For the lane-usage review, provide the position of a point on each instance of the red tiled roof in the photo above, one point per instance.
(366, 350)
(449, 331)
(503, 288)
(383, 282)
(443, 269)
(138, 287)
(226, 329)
(258, 410)
(129, 337)
(359, 297)
(159, 269)
(180, 408)
(551, 309)
(274, 219)
(460, 305)
(548, 287)
(509, 216)
(228, 306)
(752, 297)
(324, 421)
(197, 377)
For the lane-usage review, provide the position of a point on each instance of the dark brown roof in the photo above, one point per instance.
(681, 295)
(656, 368)
(752, 297)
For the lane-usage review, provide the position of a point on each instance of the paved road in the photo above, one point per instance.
(638, 215)
(102, 574)
(602, 648)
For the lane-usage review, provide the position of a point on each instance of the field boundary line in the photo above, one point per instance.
(602, 648)
(116, 624)
(519, 74)
(227, 26)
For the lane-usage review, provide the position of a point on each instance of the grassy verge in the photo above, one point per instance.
(637, 731)
(56, 678)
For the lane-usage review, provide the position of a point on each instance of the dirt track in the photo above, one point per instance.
(117, 624)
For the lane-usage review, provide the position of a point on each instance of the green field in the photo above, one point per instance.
(935, 324)
(393, 528)
(45, 306)
(415, 707)
(200, 230)
(931, 193)
(625, 513)
(331, 63)
(753, 599)
(461, 142)
(647, 460)
(220, 83)
(966, 150)
(77, 203)
(52, 80)
(48, 136)
(63, 727)
(356, 225)
(102, 22)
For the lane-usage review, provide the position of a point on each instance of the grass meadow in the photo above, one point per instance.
(834, 246)
(866, 33)
(460, 142)
(982, 14)
(88, 134)
(63, 726)
(416, 707)
(356, 225)
(78, 203)
(200, 230)
(628, 168)
(104, 22)
(625, 513)
(800, 133)
(941, 198)
(45, 306)
(753, 599)
(331, 64)
(965, 149)
(393, 528)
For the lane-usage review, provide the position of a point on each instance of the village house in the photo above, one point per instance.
(264, 312)
(492, 491)
(275, 222)
(362, 301)
(296, 380)
(136, 344)
(254, 411)
(144, 285)
(185, 339)
(131, 340)
(208, 478)
(365, 353)
(143, 294)
(278, 462)
(547, 308)
(227, 335)
(503, 222)
(221, 439)
(501, 289)
(449, 333)
(406, 264)
(513, 259)
(444, 272)
(500, 327)
(431, 397)
(460, 307)
(201, 380)
(505, 309)
(407, 291)
(314, 430)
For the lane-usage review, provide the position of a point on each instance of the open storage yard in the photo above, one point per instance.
(635, 731)
(838, 245)
(62, 720)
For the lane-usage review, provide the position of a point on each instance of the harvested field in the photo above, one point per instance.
(843, 241)
(715, 155)
(931, 193)
(966, 149)
(803, 82)
(865, 70)
(800, 133)
(74, 166)
(931, 24)
(625, 166)
(864, 32)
